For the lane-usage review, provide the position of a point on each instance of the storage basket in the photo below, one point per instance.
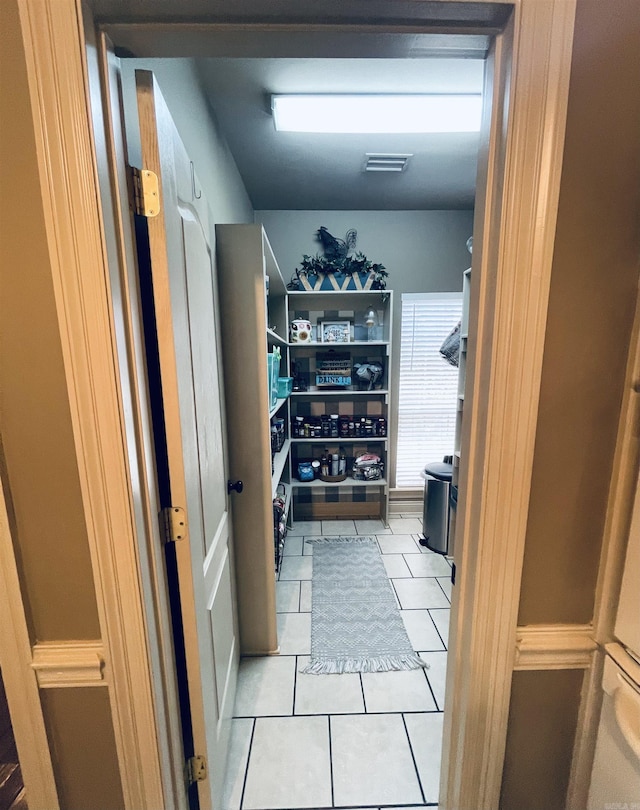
(273, 372)
(285, 384)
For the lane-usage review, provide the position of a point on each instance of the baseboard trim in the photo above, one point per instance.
(406, 507)
(345, 510)
(68, 663)
(554, 646)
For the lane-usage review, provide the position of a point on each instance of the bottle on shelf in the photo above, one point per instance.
(335, 464)
(342, 462)
(324, 464)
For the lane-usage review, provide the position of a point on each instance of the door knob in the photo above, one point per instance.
(238, 486)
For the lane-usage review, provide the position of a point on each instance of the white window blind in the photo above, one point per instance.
(428, 384)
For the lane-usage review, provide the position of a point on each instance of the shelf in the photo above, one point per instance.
(340, 305)
(314, 344)
(279, 463)
(274, 337)
(342, 440)
(328, 294)
(348, 482)
(320, 392)
(279, 403)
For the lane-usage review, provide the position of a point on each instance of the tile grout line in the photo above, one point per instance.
(333, 800)
(295, 685)
(408, 566)
(433, 694)
(436, 626)
(413, 758)
(246, 770)
(337, 714)
(364, 699)
(443, 591)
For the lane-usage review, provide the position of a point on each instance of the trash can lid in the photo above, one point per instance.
(440, 470)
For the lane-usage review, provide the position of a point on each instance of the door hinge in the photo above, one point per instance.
(196, 769)
(146, 192)
(173, 521)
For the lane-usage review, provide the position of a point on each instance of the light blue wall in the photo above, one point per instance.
(196, 123)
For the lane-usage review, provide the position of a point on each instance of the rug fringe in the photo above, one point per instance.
(388, 663)
(359, 539)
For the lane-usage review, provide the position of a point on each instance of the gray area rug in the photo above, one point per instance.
(355, 623)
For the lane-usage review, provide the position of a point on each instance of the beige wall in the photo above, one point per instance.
(593, 293)
(39, 467)
(542, 726)
(38, 461)
(83, 748)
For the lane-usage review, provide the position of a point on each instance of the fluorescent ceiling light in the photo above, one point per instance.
(377, 113)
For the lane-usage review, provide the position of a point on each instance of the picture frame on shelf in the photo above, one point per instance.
(334, 332)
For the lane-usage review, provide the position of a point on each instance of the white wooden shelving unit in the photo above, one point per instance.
(368, 498)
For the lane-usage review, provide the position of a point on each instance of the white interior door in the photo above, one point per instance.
(184, 295)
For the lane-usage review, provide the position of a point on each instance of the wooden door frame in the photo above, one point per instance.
(514, 238)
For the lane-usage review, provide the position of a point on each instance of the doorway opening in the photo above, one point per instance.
(520, 271)
(421, 579)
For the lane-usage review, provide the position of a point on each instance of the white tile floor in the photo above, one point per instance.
(356, 741)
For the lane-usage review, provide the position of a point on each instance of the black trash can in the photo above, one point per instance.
(435, 517)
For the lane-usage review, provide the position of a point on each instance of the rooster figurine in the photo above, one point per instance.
(336, 249)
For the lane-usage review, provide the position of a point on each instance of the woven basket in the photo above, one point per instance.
(333, 479)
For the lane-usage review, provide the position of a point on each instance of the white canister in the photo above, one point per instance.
(300, 331)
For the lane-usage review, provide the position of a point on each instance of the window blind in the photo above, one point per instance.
(428, 384)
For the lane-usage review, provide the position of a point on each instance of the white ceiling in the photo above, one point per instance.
(289, 171)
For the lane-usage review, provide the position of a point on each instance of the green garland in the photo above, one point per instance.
(348, 266)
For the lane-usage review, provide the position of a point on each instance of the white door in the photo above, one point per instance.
(181, 278)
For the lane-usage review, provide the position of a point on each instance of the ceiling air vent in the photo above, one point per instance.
(385, 163)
